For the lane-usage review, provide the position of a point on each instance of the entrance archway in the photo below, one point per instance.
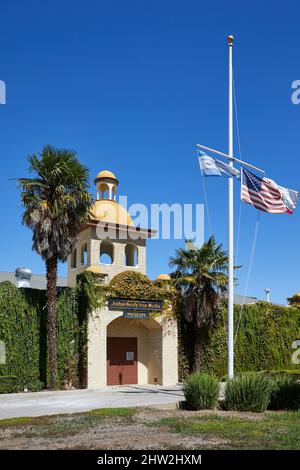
(134, 352)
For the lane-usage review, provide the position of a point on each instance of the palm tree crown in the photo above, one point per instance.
(200, 275)
(55, 201)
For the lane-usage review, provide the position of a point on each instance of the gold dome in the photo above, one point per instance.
(106, 174)
(107, 210)
(163, 277)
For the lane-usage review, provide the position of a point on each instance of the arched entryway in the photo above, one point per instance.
(134, 352)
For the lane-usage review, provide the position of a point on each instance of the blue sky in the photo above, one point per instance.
(132, 86)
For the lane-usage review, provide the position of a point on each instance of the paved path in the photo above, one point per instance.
(74, 401)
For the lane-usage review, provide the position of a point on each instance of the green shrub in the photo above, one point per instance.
(272, 374)
(285, 393)
(9, 384)
(248, 392)
(135, 285)
(295, 374)
(201, 391)
(36, 386)
(12, 384)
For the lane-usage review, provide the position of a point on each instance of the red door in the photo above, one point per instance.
(121, 361)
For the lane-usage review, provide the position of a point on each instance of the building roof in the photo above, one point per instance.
(38, 281)
(244, 299)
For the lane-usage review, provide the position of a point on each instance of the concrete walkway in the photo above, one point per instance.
(75, 401)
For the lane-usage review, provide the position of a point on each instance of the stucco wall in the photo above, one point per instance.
(169, 351)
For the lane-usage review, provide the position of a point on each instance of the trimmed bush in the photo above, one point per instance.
(37, 386)
(285, 393)
(9, 384)
(248, 392)
(135, 285)
(201, 391)
(279, 373)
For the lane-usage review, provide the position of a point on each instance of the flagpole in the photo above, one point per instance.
(230, 220)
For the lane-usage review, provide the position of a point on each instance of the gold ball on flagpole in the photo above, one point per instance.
(230, 39)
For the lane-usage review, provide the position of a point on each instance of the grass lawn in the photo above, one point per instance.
(149, 428)
(273, 431)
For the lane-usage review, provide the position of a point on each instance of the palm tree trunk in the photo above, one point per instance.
(51, 267)
(199, 345)
(197, 348)
(197, 335)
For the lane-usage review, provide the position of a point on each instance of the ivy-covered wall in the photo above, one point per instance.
(263, 342)
(23, 331)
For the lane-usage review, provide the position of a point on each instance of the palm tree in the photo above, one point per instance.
(56, 200)
(200, 275)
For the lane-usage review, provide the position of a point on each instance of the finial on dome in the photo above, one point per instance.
(230, 40)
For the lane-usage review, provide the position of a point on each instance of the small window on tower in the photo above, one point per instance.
(106, 252)
(73, 258)
(131, 255)
(104, 191)
(84, 254)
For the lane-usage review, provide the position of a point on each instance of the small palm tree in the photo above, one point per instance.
(200, 275)
(56, 200)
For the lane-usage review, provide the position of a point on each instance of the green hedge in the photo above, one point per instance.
(10, 384)
(285, 394)
(264, 340)
(23, 330)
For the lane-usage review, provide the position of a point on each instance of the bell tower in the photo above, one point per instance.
(108, 243)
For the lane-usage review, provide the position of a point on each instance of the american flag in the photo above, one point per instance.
(261, 194)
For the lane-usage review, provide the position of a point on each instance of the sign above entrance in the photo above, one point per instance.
(129, 304)
(136, 314)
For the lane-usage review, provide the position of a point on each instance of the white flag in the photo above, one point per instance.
(211, 167)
